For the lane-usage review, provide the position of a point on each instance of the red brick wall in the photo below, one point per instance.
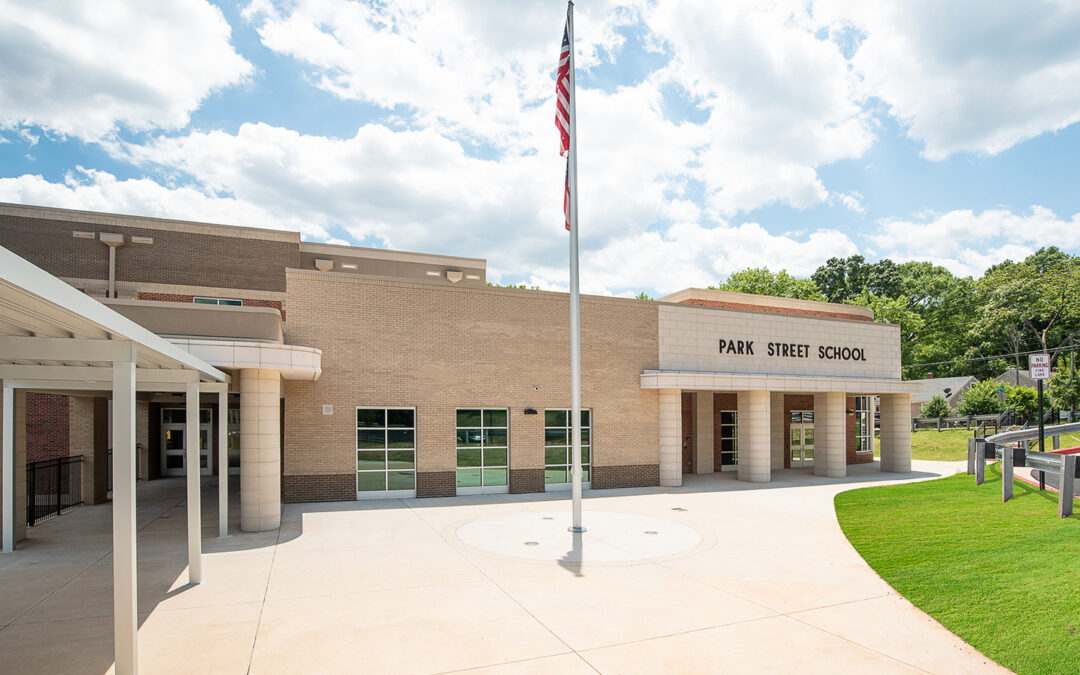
(248, 302)
(275, 304)
(166, 297)
(47, 426)
(688, 432)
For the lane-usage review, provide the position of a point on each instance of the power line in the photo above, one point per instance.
(990, 358)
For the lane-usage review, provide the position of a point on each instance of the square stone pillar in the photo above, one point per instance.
(776, 417)
(670, 437)
(896, 432)
(703, 433)
(260, 450)
(755, 436)
(830, 435)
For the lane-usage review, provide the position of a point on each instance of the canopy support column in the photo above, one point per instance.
(8, 424)
(191, 463)
(125, 581)
(223, 463)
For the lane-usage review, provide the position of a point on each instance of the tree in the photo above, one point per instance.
(935, 407)
(894, 310)
(760, 281)
(981, 398)
(1024, 400)
(643, 296)
(842, 279)
(1040, 296)
(1064, 389)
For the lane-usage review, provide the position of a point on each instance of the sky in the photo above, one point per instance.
(712, 136)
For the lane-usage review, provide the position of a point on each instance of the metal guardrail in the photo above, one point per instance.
(52, 487)
(1032, 433)
(1065, 467)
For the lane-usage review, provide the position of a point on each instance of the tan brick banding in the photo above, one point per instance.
(526, 480)
(436, 483)
(821, 314)
(626, 476)
(323, 488)
(47, 426)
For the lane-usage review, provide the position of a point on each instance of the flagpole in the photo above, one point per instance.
(575, 311)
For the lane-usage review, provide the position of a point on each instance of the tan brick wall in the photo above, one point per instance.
(438, 349)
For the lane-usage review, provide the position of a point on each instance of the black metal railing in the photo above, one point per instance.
(52, 487)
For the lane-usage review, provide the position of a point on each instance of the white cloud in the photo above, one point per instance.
(967, 75)
(93, 190)
(967, 242)
(82, 68)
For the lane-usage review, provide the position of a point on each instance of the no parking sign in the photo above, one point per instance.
(1039, 365)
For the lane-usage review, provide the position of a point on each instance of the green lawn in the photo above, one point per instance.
(948, 445)
(1004, 577)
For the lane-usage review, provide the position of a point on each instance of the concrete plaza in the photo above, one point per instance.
(763, 580)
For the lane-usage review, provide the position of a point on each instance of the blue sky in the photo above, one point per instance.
(712, 137)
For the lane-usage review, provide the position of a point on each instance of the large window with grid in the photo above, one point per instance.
(864, 424)
(558, 443)
(483, 447)
(729, 440)
(385, 451)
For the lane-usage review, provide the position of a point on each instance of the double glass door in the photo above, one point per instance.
(802, 438)
(174, 441)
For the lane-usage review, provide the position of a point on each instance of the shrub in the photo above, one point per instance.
(936, 407)
(981, 399)
(1025, 401)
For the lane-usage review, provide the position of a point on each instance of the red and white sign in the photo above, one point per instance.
(1039, 365)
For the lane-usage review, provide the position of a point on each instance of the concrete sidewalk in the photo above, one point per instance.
(389, 587)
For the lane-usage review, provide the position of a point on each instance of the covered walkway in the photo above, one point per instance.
(390, 586)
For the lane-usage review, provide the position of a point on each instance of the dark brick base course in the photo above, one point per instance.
(526, 480)
(436, 483)
(628, 475)
(325, 488)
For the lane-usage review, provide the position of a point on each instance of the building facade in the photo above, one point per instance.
(364, 373)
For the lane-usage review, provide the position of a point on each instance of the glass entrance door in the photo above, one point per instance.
(802, 438)
(174, 443)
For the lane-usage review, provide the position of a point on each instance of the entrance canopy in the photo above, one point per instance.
(56, 338)
(707, 381)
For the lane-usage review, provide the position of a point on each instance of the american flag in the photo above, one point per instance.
(562, 116)
(562, 95)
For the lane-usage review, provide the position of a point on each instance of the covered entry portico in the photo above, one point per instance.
(761, 433)
(57, 339)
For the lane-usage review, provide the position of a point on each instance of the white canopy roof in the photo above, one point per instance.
(51, 331)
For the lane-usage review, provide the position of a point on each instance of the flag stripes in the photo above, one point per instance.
(562, 95)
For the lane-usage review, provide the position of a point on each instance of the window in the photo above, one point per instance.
(218, 301)
(233, 438)
(864, 425)
(557, 446)
(729, 439)
(482, 447)
(385, 450)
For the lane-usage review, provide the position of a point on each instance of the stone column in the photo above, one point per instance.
(776, 416)
(896, 432)
(260, 450)
(830, 435)
(670, 437)
(703, 433)
(755, 435)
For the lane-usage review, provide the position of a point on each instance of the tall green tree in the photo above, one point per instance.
(761, 281)
(1040, 295)
(842, 279)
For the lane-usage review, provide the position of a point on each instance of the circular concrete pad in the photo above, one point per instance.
(611, 537)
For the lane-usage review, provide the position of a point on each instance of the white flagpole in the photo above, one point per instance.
(575, 312)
